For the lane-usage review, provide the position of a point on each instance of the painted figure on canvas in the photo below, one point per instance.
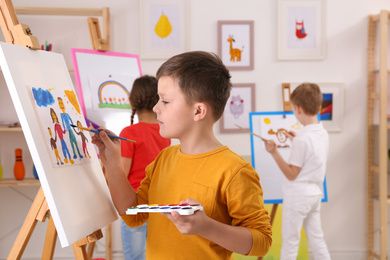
(66, 123)
(53, 145)
(281, 136)
(58, 131)
(235, 54)
(83, 139)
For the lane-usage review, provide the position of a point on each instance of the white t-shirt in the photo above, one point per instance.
(309, 152)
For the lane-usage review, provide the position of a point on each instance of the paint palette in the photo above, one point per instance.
(182, 209)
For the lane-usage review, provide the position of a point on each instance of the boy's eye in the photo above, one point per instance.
(164, 102)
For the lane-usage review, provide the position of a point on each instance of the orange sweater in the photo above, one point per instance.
(228, 189)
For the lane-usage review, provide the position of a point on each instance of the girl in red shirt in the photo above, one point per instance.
(136, 156)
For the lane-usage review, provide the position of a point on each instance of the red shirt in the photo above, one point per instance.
(148, 145)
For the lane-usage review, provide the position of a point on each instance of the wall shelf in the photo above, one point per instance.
(24, 182)
(11, 129)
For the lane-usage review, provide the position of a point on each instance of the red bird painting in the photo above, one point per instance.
(300, 30)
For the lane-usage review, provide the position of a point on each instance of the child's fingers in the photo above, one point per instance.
(189, 201)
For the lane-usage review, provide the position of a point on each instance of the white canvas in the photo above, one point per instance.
(77, 195)
(268, 125)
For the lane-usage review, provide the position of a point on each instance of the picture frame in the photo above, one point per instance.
(240, 103)
(236, 44)
(332, 112)
(301, 30)
(164, 28)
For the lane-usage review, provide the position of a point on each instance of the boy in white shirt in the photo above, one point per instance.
(305, 173)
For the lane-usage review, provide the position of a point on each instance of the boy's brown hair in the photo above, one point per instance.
(309, 97)
(202, 77)
(143, 95)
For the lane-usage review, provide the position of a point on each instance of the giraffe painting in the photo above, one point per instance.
(235, 54)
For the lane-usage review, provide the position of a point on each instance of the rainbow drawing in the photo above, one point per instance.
(116, 96)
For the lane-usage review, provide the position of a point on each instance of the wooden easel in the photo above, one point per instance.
(98, 43)
(287, 106)
(286, 91)
(20, 34)
(40, 211)
(14, 32)
(102, 44)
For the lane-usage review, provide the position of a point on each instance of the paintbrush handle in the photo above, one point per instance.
(244, 129)
(110, 135)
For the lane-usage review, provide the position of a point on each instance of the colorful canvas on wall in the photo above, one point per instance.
(58, 109)
(327, 106)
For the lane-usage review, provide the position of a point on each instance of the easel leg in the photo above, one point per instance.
(28, 227)
(273, 212)
(109, 242)
(50, 241)
(79, 252)
(80, 247)
(91, 247)
(272, 217)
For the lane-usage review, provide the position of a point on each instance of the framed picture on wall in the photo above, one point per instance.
(236, 44)
(301, 30)
(240, 103)
(164, 28)
(332, 111)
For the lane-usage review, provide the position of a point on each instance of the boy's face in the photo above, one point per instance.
(174, 114)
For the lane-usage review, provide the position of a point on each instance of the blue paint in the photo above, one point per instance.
(43, 97)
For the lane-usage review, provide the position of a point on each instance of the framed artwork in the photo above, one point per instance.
(164, 28)
(332, 112)
(240, 103)
(301, 30)
(236, 44)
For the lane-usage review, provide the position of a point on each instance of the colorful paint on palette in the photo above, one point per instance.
(182, 209)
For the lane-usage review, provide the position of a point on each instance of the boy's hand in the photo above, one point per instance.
(188, 224)
(290, 135)
(109, 149)
(270, 146)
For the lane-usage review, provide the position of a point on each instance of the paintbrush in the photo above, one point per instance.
(246, 130)
(97, 131)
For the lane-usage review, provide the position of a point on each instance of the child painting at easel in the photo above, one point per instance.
(193, 89)
(60, 132)
(305, 173)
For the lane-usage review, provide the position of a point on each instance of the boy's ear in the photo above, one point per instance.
(200, 111)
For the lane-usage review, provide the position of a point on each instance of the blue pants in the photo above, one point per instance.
(134, 241)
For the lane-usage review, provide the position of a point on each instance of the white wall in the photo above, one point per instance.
(343, 217)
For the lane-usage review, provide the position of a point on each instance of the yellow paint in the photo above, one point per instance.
(267, 120)
(163, 27)
(296, 126)
(73, 100)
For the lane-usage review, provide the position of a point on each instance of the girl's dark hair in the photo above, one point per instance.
(143, 95)
(202, 77)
